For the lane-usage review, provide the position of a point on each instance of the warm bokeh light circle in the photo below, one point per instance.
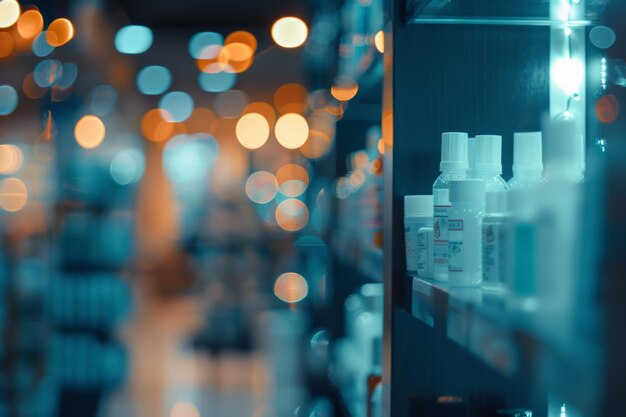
(11, 158)
(291, 98)
(291, 130)
(30, 24)
(261, 187)
(89, 132)
(13, 194)
(7, 44)
(292, 215)
(292, 180)
(60, 32)
(290, 32)
(291, 287)
(9, 13)
(252, 130)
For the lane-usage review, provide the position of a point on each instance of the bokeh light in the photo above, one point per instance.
(68, 78)
(128, 166)
(13, 194)
(264, 109)
(379, 41)
(236, 57)
(60, 32)
(344, 88)
(321, 135)
(292, 180)
(184, 409)
(291, 98)
(607, 108)
(200, 41)
(7, 44)
(154, 80)
(155, 127)
(253, 130)
(9, 13)
(31, 89)
(200, 121)
(8, 100)
(261, 187)
(30, 24)
(103, 100)
(41, 47)
(48, 72)
(89, 132)
(230, 104)
(217, 82)
(291, 130)
(11, 158)
(176, 106)
(289, 32)
(292, 215)
(208, 60)
(133, 39)
(189, 158)
(291, 287)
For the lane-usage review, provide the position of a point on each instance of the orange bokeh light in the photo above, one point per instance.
(60, 32)
(291, 130)
(291, 98)
(200, 121)
(344, 88)
(30, 24)
(252, 130)
(89, 132)
(291, 287)
(13, 194)
(7, 44)
(292, 215)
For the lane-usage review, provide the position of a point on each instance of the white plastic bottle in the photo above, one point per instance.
(496, 224)
(418, 213)
(488, 162)
(453, 166)
(467, 207)
(527, 160)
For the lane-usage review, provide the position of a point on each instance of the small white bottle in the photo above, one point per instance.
(488, 162)
(418, 212)
(467, 207)
(527, 160)
(496, 224)
(453, 166)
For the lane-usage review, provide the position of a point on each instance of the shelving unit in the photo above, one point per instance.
(482, 67)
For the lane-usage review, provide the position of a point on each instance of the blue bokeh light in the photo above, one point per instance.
(41, 47)
(189, 158)
(176, 106)
(70, 73)
(8, 100)
(128, 166)
(48, 73)
(154, 80)
(217, 82)
(201, 40)
(133, 39)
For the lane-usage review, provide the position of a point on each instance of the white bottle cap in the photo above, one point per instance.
(468, 191)
(496, 202)
(453, 151)
(418, 205)
(527, 154)
(471, 154)
(488, 153)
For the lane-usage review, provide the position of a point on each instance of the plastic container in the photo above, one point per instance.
(418, 212)
(496, 223)
(425, 252)
(467, 198)
(453, 166)
(488, 162)
(527, 160)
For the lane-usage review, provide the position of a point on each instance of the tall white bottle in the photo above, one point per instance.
(488, 162)
(453, 166)
(527, 160)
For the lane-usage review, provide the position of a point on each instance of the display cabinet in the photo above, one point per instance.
(487, 67)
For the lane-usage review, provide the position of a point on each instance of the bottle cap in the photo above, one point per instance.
(496, 202)
(453, 151)
(471, 155)
(418, 205)
(527, 151)
(468, 191)
(488, 153)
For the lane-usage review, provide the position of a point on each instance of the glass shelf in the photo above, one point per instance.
(500, 12)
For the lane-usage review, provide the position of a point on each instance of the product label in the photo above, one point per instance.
(410, 242)
(440, 235)
(455, 245)
(424, 253)
(494, 252)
